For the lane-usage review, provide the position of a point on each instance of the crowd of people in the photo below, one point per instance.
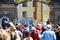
(35, 31)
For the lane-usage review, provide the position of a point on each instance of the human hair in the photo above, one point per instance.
(48, 22)
(4, 35)
(27, 34)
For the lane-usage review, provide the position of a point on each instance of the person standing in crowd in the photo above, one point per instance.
(34, 34)
(26, 27)
(39, 27)
(27, 36)
(48, 34)
(20, 27)
(58, 34)
(4, 23)
(4, 35)
(13, 32)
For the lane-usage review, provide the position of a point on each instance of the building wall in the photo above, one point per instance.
(8, 10)
(55, 12)
(46, 11)
(30, 11)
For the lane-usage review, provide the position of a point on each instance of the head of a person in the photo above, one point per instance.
(27, 34)
(33, 29)
(48, 22)
(25, 25)
(4, 35)
(48, 27)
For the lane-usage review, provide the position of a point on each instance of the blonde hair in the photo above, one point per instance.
(4, 35)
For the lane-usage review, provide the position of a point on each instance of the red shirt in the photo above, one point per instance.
(34, 35)
(39, 28)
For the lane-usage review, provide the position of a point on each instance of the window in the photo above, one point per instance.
(24, 14)
(33, 4)
(24, 4)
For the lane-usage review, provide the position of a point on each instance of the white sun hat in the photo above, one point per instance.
(33, 28)
(48, 27)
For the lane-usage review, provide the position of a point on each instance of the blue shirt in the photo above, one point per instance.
(48, 35)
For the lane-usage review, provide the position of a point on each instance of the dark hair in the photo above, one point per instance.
(59, 24)
(27, 34)
(48, 22)
(16, 24)
(5, 25)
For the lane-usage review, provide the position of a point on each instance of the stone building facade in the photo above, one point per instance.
(8, 9)
(55, 11)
